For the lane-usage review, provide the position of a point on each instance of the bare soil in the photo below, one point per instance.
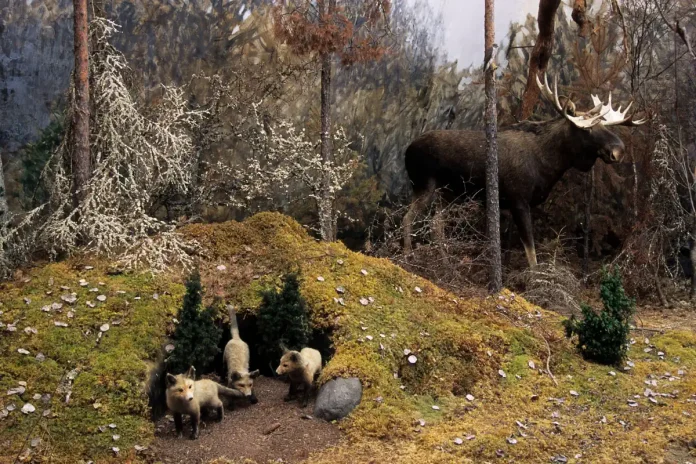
(245, 432)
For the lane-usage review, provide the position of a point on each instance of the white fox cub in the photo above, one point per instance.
(185, 395)
(302, 368)
(236, 359)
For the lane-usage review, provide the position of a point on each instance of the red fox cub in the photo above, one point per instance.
(236, 358)
(185, 395)
(303, 368)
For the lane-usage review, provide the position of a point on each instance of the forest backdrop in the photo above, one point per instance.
(225, 58)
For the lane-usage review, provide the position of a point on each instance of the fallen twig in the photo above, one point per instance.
(548, 361)
(273, 427)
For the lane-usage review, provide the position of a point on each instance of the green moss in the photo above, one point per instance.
(460, 345)
(111, 370)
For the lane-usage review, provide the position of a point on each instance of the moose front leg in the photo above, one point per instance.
(523, 220)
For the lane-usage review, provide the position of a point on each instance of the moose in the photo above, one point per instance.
(532, 157)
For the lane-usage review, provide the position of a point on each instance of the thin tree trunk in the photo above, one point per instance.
(4, 209)
(492, 194)
(81, 160)
(540, 54)
(634, 168)
(586, 227)
(692, 257)
(326, 212)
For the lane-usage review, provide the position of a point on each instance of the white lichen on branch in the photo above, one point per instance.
(283, 158)
(141, 159)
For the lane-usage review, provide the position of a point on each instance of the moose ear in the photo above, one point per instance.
(171, 380)
(235, 376)
(254, 374)
(191, 374)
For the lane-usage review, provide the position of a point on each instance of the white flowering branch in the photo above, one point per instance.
(281, 155)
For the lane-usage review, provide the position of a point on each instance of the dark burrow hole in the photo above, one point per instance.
(248, 330)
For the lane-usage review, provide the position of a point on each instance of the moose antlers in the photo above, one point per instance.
(600, 114)
(615, 117)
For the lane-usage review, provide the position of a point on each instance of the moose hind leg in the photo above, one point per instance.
(421, 200)
(438, 226)
(523, 220)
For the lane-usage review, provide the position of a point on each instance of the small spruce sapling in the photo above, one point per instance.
(196, 337)
(603, 336)
(283, 320)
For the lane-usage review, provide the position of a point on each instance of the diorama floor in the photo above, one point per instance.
(249, 432)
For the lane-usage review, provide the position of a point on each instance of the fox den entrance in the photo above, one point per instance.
(265, 356)
(268, 430)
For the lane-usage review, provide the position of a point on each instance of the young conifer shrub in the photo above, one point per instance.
(603, 336)
(196, 337)
(283, 320)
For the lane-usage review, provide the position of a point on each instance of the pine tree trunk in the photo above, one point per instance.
(492, 194)
(4, 209)
(325, 200)
(540, 54)
(81, 160)
(692, 257)
(589, 193)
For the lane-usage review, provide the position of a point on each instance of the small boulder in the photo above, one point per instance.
(337, 398)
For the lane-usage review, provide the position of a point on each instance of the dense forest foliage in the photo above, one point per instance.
(237, 100)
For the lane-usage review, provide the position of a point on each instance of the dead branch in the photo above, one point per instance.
(541, 54)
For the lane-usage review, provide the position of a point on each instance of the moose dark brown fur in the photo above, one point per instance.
(532, 156)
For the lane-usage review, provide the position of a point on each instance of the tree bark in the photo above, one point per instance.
(579, 15)
(325, 200)
(81, 159)
(4, 209)
(589, 193)
(491, 121)
(540, 54)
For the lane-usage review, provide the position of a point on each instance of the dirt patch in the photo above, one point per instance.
(243, 434)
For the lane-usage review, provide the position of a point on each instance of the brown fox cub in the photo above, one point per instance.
(236, 359)
(302, 368)
(188, 396)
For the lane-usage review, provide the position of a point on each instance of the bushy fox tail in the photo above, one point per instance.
(229, 392)
(234, 328)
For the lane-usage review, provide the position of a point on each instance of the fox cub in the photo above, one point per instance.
(185, 395)
(302, 367)
(236, 358)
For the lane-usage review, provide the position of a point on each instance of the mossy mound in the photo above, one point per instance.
(95, 377)
(472, 361)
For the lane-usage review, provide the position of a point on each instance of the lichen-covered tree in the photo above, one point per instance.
(495, 283)
(141, 158)
(324, 29)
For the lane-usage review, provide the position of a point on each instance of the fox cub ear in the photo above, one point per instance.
(171, 380)
(294, 357)
(235, 376)
(191, 374)
(254, 374)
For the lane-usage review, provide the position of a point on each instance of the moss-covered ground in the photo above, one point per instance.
(77, 380)
(477, 390)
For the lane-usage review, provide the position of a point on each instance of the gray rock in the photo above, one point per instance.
(337, 398)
